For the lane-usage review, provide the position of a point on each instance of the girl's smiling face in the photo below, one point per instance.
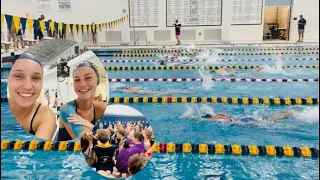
(85, 83)
(25, 82)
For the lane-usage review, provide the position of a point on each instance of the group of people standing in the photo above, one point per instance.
(120, 150)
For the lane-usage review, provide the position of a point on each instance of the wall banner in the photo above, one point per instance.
(64, 5)
(43, 5)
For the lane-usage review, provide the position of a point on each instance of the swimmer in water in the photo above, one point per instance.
(163, 62)
(225, 117)
(225, 71)
(137, 90)
(261, 68)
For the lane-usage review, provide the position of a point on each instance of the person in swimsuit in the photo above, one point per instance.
(94, 33)
(148, 142)
(86, 143)
(25, 82)
(177, 29)
(225, 71)
(80, 115)
(224, 117)
(261, 68)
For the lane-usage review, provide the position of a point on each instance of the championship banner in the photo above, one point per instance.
(64, 5)
(43, 6)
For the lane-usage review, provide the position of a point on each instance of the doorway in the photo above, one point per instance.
(276, 23)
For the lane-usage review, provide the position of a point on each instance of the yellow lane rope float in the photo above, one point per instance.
(143, 68)
(235, 149)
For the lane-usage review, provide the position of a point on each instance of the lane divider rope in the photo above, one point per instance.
(139, 68)
(188, 60)
(223, 49)
(224, 100)
(203, 60)
(220, 54)
(214, 79)
(186, 148)
(200, 79)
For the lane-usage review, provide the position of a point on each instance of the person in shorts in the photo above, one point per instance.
(12, 33)
(20, 38)
(177, 29)
(301, 23)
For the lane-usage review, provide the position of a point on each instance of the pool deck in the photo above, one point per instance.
(214, 45)
(217, 44)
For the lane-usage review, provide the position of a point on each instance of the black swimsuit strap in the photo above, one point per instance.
(34, 115)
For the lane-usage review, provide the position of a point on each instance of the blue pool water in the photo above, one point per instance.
(170, 127)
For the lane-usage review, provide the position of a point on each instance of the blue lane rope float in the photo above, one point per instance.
(186, 148)
(143, 68)
(224, 100)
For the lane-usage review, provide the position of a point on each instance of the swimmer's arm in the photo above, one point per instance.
(92, 155)
(47, 127)
(70, 129)
(282, 115)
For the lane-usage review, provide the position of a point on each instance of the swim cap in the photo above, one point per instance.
(90, 65)
(213, 71)
(206, 116)
(29, 56)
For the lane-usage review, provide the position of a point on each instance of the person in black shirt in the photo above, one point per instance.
(104, 152)
(62, 33)
(301, 23)
(37, 30)
(177, 29)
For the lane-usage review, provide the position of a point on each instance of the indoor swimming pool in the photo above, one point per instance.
(170, 125)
